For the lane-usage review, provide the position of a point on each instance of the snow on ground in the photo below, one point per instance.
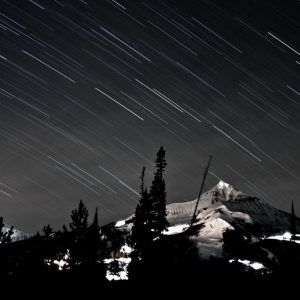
(62, 263)
(176, 229)
(122, 273)
(254, 265)
(121, 276)
(120, 223)
(126, 249)
(287, 236)
(123, 262)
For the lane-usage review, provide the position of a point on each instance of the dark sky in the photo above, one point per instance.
(91, 89)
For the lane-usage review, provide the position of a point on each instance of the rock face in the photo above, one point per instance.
(224, 207)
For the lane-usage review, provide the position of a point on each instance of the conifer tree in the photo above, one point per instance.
(141, 230)
(158, 194)
(95, 224)
(93, 241)
(141, 237)
(79, 227)
(150, 221)
(142, 185)
(79, 218)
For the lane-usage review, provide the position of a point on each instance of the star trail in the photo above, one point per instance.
(89, 90)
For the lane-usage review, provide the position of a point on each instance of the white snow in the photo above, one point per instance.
(176, 229)
(223, 185)
(126, 249)
(125, 260)
(257, 266)
(62, 263)
(214, 228)
(287, 236)
(120, 223)
(122, 274)
(123, 264)
(254, 265)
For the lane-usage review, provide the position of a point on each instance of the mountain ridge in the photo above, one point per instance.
(234, 207)
(220, 209)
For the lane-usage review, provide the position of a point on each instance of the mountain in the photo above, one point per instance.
(225, 207)
(222, 207)
(17, 234)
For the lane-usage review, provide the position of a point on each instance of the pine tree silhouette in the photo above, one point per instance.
(149, 222)
(93, 241)
(142, 185)
(95, 251)
(79, 218)
(79, 227)
(158, 194)
(141, 230)
(142, 235)
(95, 223)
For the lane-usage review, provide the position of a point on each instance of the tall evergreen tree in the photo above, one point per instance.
(142, 237)
(142, 185)
(141, 230)
(150, 221)
(95, 224)
(293, 222)
(79, 228)
(79, 219)
(92, 242)
(158, 194)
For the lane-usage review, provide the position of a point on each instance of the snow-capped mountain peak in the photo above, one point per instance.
(223, 206)
(223, 185)
(225, 190)
(221, 209)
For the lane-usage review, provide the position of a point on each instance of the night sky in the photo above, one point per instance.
(89, 91)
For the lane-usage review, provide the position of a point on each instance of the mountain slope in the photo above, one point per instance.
(223, 207)
(219, 209)
(17, 234)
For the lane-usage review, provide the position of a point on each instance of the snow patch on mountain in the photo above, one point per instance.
(120, 223)
(286, 236)
(214, 228)
(176, 229)
(222, 208)
(254, 265)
